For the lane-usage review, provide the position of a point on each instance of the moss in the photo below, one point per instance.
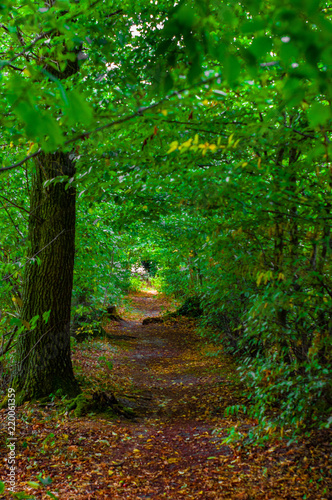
(80, 405)
(101, 403)
(4, 403)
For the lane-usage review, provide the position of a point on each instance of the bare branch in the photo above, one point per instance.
(301, 133)
(14, 204)
(10, 217)
(115, 13)
(5, 349)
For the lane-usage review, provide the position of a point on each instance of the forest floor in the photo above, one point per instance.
(178, 389)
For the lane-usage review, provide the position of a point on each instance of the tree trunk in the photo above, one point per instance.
(43, 364)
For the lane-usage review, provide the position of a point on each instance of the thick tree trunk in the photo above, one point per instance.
(43, 364)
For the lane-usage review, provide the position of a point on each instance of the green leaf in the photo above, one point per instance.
(33, 484)
(23, 496)
(39, 126)
(232, 69)
(261, 46)
(253, 26)
(318, 114)
(195, 69)
(46, 315)
(185, 16)
(16, 321)
(51, 495)
(78, 110)
(45, 481)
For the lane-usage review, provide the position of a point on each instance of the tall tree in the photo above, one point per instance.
(43, 363)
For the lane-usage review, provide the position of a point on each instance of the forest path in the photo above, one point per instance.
(178, 388)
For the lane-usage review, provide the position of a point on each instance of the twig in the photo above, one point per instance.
(193, 127)
(18, 164)
(9, 343)
(14, 204)
(10, 217)
(300, 133)
(115, 13)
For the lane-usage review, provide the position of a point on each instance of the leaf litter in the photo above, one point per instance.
(173, 447)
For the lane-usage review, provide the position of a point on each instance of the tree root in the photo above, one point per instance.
(99, 402)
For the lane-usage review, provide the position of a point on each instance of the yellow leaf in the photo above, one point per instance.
(145, 207)
(186, 144)
(205, 102)
(259, 278)
(244, 164)
(195, 139)
(164, 112)
(17, 301)
(259, 162)
(26, 72)
(30, 148)
(173, 147)
(230, 139)
(212, 147)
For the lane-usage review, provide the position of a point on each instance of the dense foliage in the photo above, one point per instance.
(201, 135)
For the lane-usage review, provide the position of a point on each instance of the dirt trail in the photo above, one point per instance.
(178, 388)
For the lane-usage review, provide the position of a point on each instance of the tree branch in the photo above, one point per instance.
(138, 113)
(10, 217)
(14, 204)
(10, 340)
(18, 164)
(300, 133)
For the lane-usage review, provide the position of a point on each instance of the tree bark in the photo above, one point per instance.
(43, 364)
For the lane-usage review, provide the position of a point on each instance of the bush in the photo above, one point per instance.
(135, 284)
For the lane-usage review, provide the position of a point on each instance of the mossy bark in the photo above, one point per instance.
(43, 363)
